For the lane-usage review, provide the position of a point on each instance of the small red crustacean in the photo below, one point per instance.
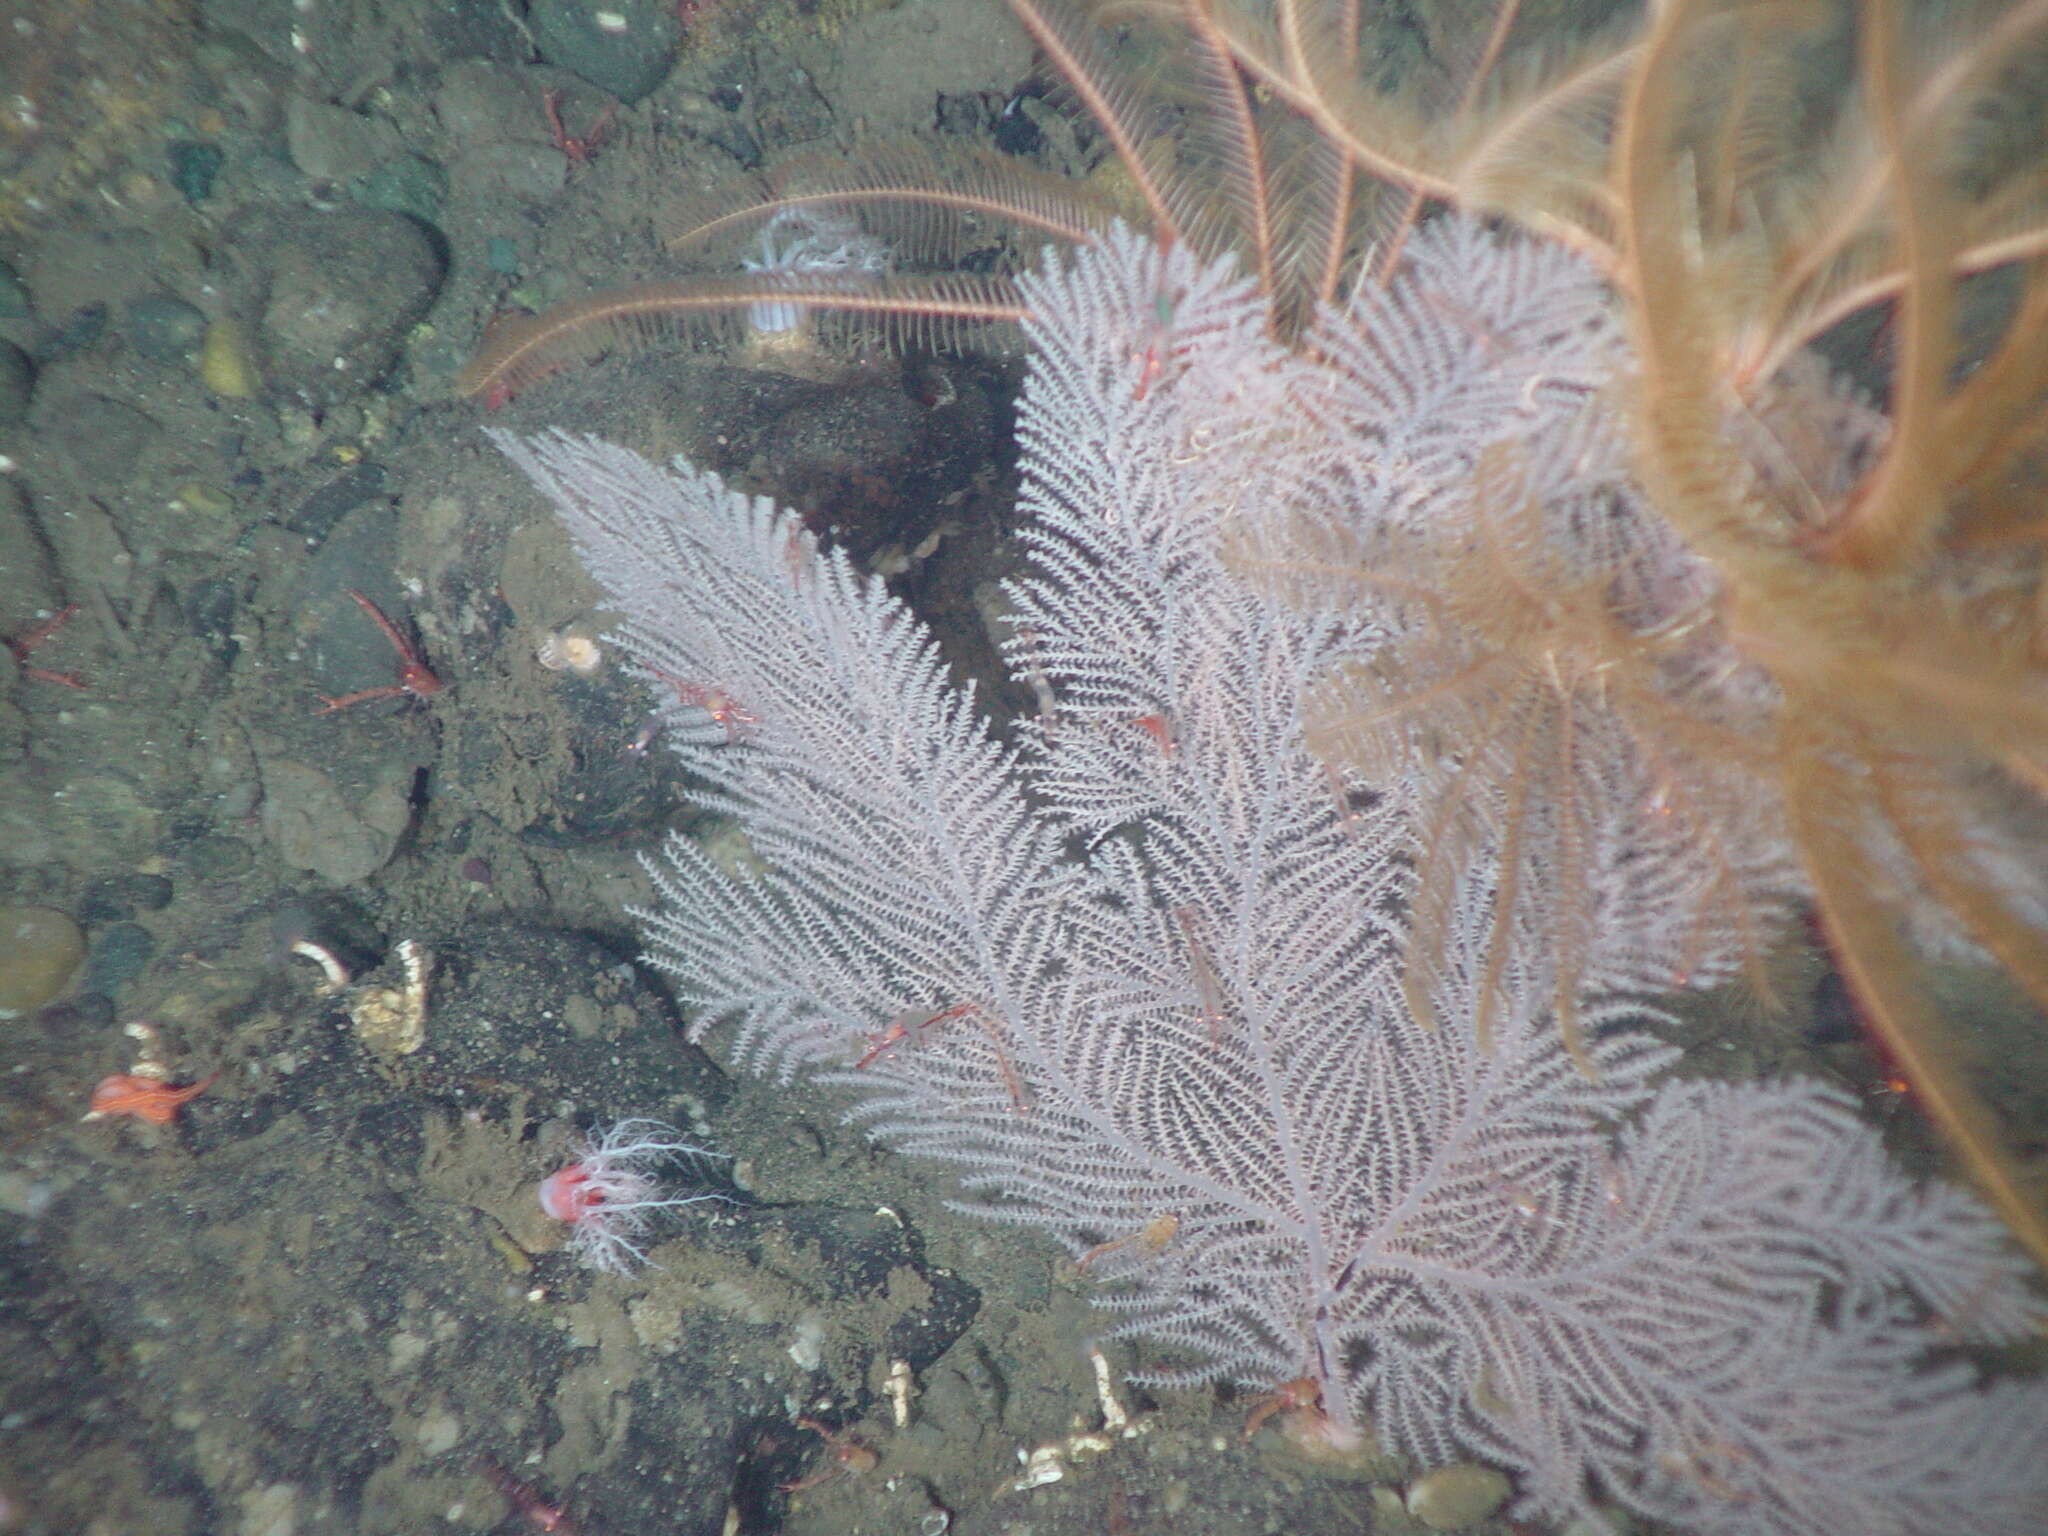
(24, 644)
(578, 149)
(526, 1500)
(146, 1098)
(848, 1456)
(415, 677)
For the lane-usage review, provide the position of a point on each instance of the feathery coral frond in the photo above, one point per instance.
(1154, 975)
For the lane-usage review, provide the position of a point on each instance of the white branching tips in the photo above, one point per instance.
(1145, 981)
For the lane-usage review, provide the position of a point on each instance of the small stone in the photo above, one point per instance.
(439, 1432)
(225, 363)
(78, 330)
(272, 1510)
(149, 892)
(409, 184)
(141, 189)
(316, 515)
(1454, 1497)
(163, 329)
(105, 901)
(80, 1019)
(195, 165)
(331, 143)
(119, 954)
(298, 427)
(204, 502)
(26, 1197)
(39, 952)
(214, 856)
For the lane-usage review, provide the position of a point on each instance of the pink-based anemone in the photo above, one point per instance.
(611, 1193)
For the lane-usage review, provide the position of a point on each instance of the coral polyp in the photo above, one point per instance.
(611, 1193)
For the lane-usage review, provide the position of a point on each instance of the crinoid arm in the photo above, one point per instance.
(940, 312)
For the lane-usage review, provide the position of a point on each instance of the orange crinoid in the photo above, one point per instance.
(1851, 673)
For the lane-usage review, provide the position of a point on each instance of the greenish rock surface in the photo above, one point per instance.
(164, 330)
(119, 954)
(17, 383)
(195, 166)
(77, 331)
(14, 304)
(408, 184)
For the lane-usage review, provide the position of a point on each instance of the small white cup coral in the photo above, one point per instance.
(610, 1193)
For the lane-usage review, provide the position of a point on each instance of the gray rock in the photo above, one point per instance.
(332, 143)
(407, 184)
(522, 174)
(472, 29)
(104, 439)
(919, 50)
(28, 579)
(622, 46)
(266, 23)
(76, 270)
(164, 329)
(330, 296)
(478, 103)
(89, 820)
(17, 384)
(317, 513)
(316, 824)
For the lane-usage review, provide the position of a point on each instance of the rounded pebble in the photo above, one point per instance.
(225, 364)
(39, 951)
(623, 46)
(1454, 1497)
(203, 501)
(164, 329)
